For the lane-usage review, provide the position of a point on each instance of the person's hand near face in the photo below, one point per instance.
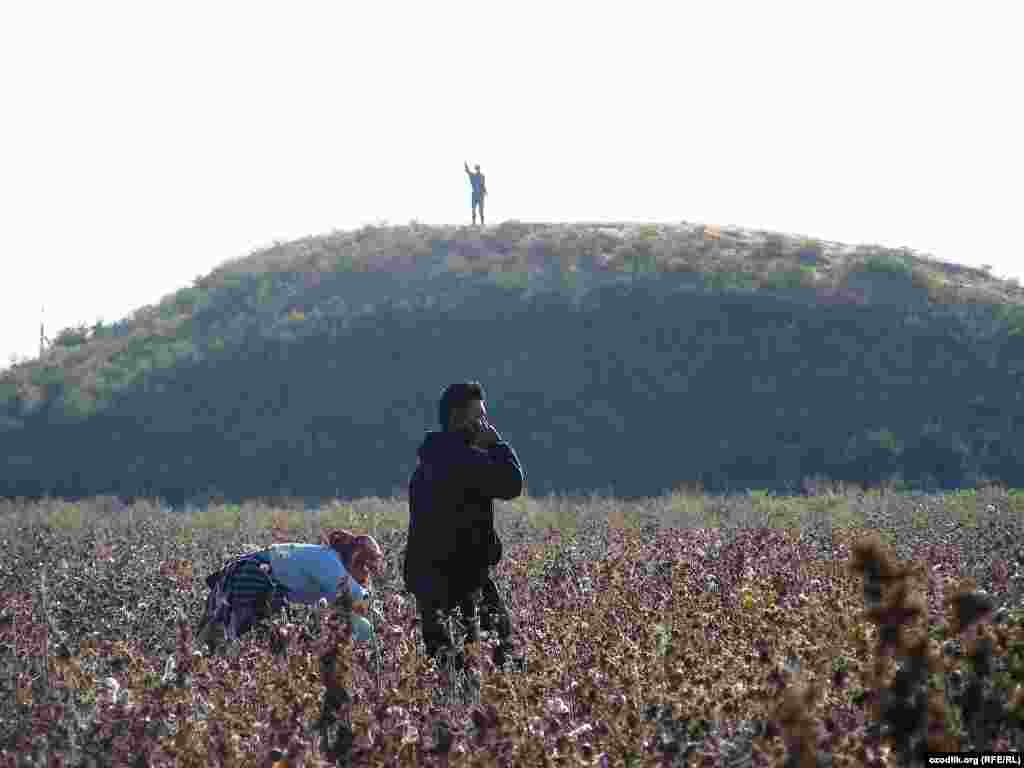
(486, 434)
(473, 422)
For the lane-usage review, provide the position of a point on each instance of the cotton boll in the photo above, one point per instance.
(114, 688)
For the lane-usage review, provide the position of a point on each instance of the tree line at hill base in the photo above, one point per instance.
(634, 389)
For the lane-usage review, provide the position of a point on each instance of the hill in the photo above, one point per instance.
(628, 358)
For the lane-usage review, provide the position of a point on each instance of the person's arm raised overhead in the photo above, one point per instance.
(492, 467)
(466, 166)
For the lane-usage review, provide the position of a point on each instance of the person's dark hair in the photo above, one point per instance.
(352, 549)
(458, 396)
(342, 542)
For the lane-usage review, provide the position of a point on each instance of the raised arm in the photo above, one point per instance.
(495, 472)
(466, 166)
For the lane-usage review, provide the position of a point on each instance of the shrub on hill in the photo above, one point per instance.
(644, 317)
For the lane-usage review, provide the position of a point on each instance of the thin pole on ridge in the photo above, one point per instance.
(42, 335)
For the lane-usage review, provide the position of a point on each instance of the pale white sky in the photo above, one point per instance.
(143, 143)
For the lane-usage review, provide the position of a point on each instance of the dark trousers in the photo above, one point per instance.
(446, 596)
(478, 202)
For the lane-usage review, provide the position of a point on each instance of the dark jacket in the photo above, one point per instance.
(452, 540)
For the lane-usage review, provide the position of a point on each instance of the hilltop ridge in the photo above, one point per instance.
(515, 253)
(567, 322)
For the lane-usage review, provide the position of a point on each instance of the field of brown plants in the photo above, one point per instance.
(840, 628)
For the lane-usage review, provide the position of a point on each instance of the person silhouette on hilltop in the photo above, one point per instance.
(479, 191)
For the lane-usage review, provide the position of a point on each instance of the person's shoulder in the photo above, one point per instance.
(283, 547)
(332, 557)
(293, 548)
(462, 452)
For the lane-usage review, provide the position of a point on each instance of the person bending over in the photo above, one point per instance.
(258, 584)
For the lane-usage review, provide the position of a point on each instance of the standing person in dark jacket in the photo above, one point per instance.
(476, 180)
(452, 541)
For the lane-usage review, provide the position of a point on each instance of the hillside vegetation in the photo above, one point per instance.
(625, 358)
